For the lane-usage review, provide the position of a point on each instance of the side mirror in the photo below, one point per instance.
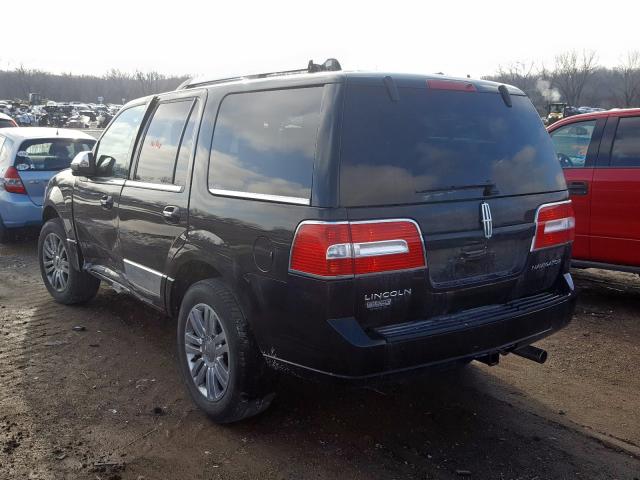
(83, 165)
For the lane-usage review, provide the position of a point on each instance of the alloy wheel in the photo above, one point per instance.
(56, 262)
(207, 352)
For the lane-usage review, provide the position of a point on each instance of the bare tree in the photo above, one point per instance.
(629, 70)
(519, 74)
(572, 72)
(149, 81)
(113, 86)
(24, 80)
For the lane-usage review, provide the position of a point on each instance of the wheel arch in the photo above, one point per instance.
(188, 271)
(49, 212)
(193, 263)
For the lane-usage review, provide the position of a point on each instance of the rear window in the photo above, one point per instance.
(4, 123)
(438, 145)
(49, 155)
(264, 145)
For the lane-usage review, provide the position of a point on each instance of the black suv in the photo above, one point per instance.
(354, 225)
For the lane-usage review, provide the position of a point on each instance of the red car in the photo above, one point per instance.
(600, 155)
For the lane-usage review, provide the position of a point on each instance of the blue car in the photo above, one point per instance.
(29, 157)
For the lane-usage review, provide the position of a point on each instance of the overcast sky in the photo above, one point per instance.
(230, 37)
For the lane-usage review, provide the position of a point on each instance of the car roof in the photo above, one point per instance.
(614, 112)
(5, 116)
(33, 133)
(361, 77)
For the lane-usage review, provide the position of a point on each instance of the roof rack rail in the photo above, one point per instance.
(330, 65)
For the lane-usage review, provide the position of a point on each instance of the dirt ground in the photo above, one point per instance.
(107, 403)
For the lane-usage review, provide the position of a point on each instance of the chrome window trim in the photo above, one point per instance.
(165, 187)
(261, 196)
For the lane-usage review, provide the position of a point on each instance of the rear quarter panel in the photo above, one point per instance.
(248, 244)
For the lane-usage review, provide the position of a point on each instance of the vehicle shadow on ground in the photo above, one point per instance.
(116, 406)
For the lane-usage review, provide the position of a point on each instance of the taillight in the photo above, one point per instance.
(343, 249)
(555, 225)
(12, 181)
(317, 250)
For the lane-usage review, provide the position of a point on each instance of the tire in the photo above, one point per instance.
(214, 337)
(70, 286)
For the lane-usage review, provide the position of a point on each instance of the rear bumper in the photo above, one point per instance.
(470, 334)
(18, 211)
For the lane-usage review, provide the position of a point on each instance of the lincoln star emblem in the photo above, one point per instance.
(487, 221)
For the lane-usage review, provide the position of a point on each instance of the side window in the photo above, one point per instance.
(572, 143)
(114, 150)
(159, 152)
(264, 145)
(626, 144)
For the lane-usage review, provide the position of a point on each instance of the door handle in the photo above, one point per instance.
(578, 188)
(106, 201)
(171, 214)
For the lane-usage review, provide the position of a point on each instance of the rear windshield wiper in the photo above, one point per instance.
(488, 189)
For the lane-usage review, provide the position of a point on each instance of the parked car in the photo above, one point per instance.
(347, 225)
(600, 155)
(29, 157)
(6, 121)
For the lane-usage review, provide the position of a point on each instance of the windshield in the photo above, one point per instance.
(437, 145)
(50, 154)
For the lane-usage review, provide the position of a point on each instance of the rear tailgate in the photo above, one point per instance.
(436, 156)
(35, 183)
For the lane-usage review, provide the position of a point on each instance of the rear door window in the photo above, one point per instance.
(4, 123)
(435, 145)
(626, 144)
(159, 152)
(572, 143)
(264, 145)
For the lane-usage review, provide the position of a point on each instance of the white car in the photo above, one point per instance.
(7, 121)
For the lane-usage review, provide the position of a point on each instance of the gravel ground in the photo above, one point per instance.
(107, 403)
